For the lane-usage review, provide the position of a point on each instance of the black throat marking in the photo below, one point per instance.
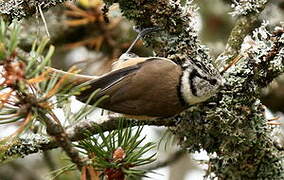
(192, 86)
(179, 91)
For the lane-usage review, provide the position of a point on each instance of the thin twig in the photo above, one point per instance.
(75, 131)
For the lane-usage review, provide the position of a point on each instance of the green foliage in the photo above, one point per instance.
(20, 67)
(29, 90)
(8, 39)
(58, 172)
(87, 109)
(116, 153)
(36, 62)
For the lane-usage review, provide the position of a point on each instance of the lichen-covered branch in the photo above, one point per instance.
(18, 9)
(233, 125)
(55, 130)
(178, 40)
(243, 8)
(269, 49)
(247, 12)
(25, 146)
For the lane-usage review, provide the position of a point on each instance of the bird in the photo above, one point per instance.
(153, 87)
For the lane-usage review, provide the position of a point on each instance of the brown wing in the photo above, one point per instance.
(105, 82)
(148, 88)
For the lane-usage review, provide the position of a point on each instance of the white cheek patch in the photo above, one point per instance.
(185, 87)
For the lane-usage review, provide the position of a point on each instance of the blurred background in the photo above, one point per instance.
(91, 39)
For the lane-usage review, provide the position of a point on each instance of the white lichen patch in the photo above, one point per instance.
(12, 8)
(243, 7)
(17, 9)
(24, 146)
(260, 43)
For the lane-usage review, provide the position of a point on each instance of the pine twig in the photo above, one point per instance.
(55, 130)
(24, 147)
(75, 131)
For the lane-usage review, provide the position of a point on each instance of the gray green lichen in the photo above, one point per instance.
(179, 37)
(244, 7)
(22, 147)
(18, 9)
(233, 125)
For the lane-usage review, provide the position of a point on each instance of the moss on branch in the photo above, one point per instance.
(25, 146)
(233, 125)
(248, 13)
(18, 9)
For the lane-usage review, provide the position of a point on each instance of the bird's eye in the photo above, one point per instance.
(213, 82)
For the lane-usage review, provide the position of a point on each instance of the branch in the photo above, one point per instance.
(26, 146)
(75, 131)
(54, 129)
(18, 9)
(245, 24)
(233, 125)
(179, 39)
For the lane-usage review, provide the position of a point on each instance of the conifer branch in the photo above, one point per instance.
(23, 147)
(55, 130)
